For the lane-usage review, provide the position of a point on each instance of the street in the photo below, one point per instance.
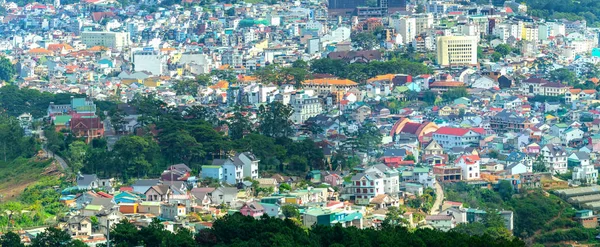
(439, 198)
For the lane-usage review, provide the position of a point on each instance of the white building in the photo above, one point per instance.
(304, 107)
(237, 167)
(406, 26)
(423, 22)
(585, 171)
(470, 166)
(116, 40)
(150, 61)
(555, 158)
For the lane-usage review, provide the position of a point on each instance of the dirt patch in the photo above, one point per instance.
(12, 191)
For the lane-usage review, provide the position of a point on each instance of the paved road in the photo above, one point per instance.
(439, 198)
(49, 153)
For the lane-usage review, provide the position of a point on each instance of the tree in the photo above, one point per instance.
(239, 125)
(563, 75)
(429, 97)
(11, 239)
(368, 137)
(285, 187)
(496, 56)
(124, 234)
(7, 70)
(503, 49)
(505, 189)
(455, 93)
(394, 216)
(290, 211)
(77, 154)
(364, 40)
(53, 237)
(186, 87)
(117, 119)
(409, 157)
(274, 120)
(539, 165)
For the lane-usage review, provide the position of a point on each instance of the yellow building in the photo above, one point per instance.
(457, 50)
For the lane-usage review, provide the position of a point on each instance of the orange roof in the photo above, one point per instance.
(595, 80)
(97, 48)
(589, 91)
(168, 49)
(337, 82)
(447, 84)
(39, 51)
(386, 77)
(223, 67)
(221, 85)
(575, 90)
(247, 78)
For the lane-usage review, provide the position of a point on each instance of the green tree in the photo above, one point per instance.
(125, 234)
(563, 75)
(496, 56)
(285, 187)
(455, 93)
(53, 237)
(506, 189)
(137, 156)
(503, 49)
(186, 87)
(364, 40)
(239, 125)
(77, 154)
(369, 137)
(274, 120)
(11, 239)
(409, 157)
(290, 211)
(7, 70)
(394, 216)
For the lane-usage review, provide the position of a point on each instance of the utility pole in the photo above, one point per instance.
(107, 232)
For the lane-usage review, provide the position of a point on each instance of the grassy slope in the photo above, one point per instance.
(15, 176)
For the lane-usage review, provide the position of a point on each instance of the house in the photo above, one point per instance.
(253, 209)
(87, 127)
(109, 218)
(470, 166)
(126, 197)
(271, 209)
(172, 211)
(79, 226)
(516, 168)
(586, 218)
(333, 179)
(158, 193)
(440, 222)
(234, 168)
(449, 137)
(572, 136)
(448, 174)
(583, 171)
(224, 195)
(384, 201)
(142, 185)
(87, 181)
(153, 208)
(555, 158)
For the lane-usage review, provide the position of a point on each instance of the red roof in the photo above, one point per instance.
(452, 131)
(103, 194)
(123, 189)
(469, 159)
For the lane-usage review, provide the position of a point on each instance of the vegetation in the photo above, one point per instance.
(534, 211)
(360, 72)
(7, 70)
(238, 230)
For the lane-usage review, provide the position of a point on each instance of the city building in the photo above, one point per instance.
(457, 50)
(117, 40)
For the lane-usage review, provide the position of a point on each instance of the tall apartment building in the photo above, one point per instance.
(457, 50)
(530, 33)
(406, 26)
(116, 40)
(423, 22)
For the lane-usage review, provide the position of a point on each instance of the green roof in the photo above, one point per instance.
(421, 170)
(146, 203)
(562, 125)
(77, 102)
(61, 120)
(211, 167)
(93, 207)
